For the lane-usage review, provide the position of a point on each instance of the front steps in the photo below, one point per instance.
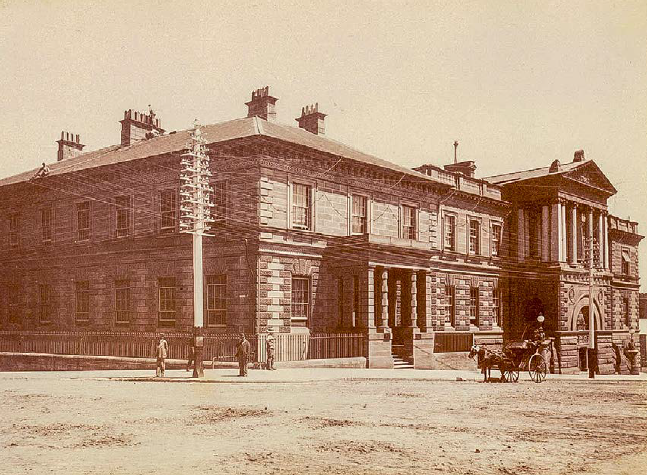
(399, 360)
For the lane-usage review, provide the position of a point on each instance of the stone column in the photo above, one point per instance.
(426, 321)
(605, 234)
(574, 217)
(555, 234)
(563, 241)
(413, 311)
(545, 230)
(590, 226)
(369, 298)
(601, 238)
(384, 317)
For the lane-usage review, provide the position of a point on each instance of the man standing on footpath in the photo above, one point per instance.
(242, 353)
(270, 353)
(162, 352)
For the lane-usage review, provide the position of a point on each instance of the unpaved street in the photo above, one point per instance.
(58, 423)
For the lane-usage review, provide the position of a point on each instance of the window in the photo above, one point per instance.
(220, 199)
(13, 302)
(474, 243)
(474, 306)
(626, 262)
(496, 239)
(122, 301)
(13, 230)
(83, 220)
(82, 301)
(450, 305)
(168, 210)
(496, 306)
(340, 300)
(355, 300)
(408, 222)
(300, 300)
(301, 206)
(44, 303)
(166, 287)
(449, 232)
(216, 300)
(359, 215)
(46, 224)
(123, 207)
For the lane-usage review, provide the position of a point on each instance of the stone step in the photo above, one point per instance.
(400, 363)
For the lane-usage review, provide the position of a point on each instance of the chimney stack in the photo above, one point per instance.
(139, 126)
(312, 120)
(579, 156)
(262, 105)
(69, 146)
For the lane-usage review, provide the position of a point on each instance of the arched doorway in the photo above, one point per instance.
(579, 318)
(580, 321)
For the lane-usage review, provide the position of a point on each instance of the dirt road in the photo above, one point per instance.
(50, 423)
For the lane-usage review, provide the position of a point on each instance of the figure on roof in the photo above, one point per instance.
(42, 171)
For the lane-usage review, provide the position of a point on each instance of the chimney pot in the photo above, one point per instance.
(579, 156)
(312, 120)
(262, 105)
(68, 147)
(139, 126)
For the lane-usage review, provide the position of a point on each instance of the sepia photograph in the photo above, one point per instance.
(345, 238)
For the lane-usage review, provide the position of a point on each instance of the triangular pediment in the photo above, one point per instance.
(589, 174)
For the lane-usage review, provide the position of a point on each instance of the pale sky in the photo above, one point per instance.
(518, 84)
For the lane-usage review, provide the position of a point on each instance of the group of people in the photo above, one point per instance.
(243, 353)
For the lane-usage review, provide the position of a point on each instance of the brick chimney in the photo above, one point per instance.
(579, 156)
(69, 146)
(262, 105)
(312, 120)
(467, 168)
(139, 126)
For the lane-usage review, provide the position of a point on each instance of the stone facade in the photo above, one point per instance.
(314, 237)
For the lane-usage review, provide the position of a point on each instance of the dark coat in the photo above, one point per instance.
(243, 349)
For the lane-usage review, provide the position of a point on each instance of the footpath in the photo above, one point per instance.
(302, 375)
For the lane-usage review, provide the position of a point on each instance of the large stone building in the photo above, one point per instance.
(314, 236)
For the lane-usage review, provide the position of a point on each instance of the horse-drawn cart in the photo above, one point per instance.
(515, 357)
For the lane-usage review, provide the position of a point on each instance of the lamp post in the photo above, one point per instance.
(195, 219)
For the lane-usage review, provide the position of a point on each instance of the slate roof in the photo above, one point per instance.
(214, 133)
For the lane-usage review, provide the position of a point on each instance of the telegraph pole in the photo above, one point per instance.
(195, 219)
(592, 245)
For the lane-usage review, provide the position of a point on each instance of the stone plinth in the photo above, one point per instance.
(379, 349)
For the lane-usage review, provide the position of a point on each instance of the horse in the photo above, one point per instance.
(486, 360)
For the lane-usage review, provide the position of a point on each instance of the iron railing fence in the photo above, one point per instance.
(217, 347)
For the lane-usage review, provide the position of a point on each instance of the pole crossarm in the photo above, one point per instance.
(195, 219)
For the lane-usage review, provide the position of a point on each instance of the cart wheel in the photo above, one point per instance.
(537, 368)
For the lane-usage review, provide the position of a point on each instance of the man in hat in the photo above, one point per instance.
(162, 352)
(242, 353)
(270, 353)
